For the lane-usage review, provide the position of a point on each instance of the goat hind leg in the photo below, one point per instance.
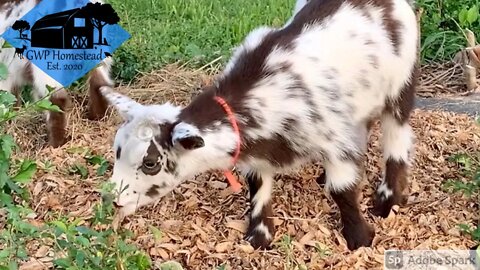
(56, 121)
(341, 182)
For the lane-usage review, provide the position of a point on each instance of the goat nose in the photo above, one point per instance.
(116, 205)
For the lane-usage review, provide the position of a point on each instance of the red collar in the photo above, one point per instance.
(234, 184)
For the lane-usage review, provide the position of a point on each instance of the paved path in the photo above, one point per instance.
(469, 105)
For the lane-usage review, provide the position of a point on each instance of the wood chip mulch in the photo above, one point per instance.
(203, 222)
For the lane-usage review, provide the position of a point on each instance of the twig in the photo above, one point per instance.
(209, 64)
(470, 38)
(470, 77)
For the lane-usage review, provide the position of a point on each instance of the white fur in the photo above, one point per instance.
(397, 139)
(319, 51)
(263, 195)
(384, 190)
(341, 175)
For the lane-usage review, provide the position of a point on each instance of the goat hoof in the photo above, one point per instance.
(93, 115)
(358, 235)
(59, 141)
(322, 179)
(382, 206)
(258, 240)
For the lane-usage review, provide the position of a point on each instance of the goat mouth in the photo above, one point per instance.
(121, 213)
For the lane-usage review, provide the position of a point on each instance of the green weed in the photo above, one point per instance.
(469, 167)
(443, 25)
(92, 245)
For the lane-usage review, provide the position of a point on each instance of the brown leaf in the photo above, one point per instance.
(36, 265)
(223, 247)
(246, 248)
(42, 251)
(239, 225)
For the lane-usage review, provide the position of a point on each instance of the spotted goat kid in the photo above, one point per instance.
(304, 92)
(22, 72)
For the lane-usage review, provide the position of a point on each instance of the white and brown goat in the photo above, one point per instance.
(304, 92)
(22, 72)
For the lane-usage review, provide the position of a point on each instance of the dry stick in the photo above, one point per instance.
(471, 78)
(470, 71)
(419, 23)
(471, 41)
(474, 56)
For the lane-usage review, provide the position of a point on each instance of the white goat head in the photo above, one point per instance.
(148, 147)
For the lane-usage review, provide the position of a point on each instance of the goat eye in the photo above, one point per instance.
(151, 167)
(148, 164)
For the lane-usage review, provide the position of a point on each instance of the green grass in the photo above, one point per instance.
(193, 31)
(198, 31)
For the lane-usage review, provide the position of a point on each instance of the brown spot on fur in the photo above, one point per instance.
(57, 122)
(153, 191)
(97, 103)
(373, 59)
(356, 230)
(392, 25)
(401, 107)
(165, 137)
(276, 150)
(369, 42)
(171, 166)
(119, 152)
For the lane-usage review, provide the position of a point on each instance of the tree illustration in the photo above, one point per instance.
(101, 15)
(21, 26)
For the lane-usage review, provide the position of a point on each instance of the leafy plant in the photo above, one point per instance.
(100, 161)
(86, 248)
(80, 170)
(92, 245)
(469, 167)
(14, 175)
(443, 23)
(286, 246)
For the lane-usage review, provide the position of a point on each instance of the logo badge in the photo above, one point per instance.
(393, 259)
(66, 39)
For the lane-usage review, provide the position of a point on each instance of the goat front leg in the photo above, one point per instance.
(56, 121)
(341, 182)
(260, 230)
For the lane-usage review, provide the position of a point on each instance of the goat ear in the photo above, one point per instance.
(187, 136)
(122, 103)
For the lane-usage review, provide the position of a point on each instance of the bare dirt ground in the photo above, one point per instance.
(203, 222)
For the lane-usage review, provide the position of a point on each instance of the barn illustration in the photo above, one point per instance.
(70, 29)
